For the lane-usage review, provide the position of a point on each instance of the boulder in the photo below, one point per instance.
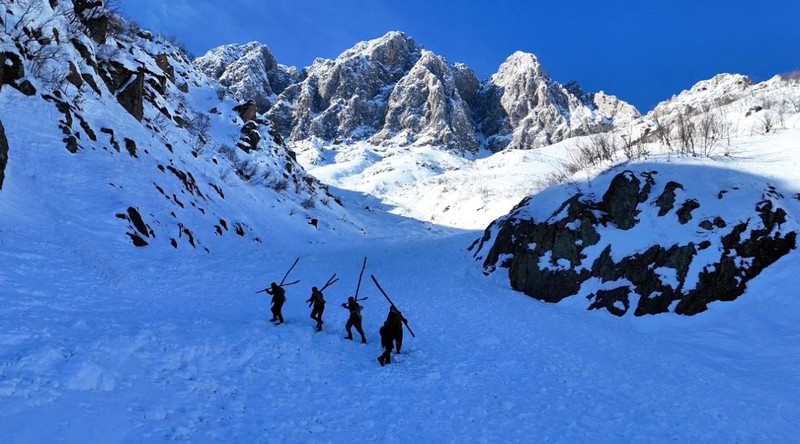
(247, 111)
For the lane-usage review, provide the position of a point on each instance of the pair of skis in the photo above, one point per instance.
(286, 284)
(363, 266)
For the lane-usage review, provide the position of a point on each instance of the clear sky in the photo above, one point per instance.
(641, 51)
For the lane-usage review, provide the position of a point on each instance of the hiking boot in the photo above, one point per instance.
(380, 360)
(363, 341)
(349, 337)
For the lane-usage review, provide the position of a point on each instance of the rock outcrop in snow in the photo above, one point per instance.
(650, 245)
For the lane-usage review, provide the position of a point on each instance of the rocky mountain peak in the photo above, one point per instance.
(426, 106)
(394, 50)
(249, 71)
(517, 65)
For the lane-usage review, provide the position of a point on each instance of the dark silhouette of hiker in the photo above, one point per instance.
(394, 322)
(386, 342)
(318, 301)
(278, 298)
(354, 320)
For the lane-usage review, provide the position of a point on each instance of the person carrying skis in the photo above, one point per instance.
(318, 301)
(278, 298)
(394, 322)
(354, 320)
(386, 344)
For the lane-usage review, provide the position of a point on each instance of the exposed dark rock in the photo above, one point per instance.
(666, 201)
(138, 222)
(137, 240)
(74, 76)
(86, 128)
(11, 69)
(162, 60)
(132, 97)
(247, 110)
(3, 154)
(88, 78)
(611, 300)
(27, 88)
(112, 140)
(71, 143)
(684, 213)
(621, 200)
(130, 145)
(189, 235)
(187, 179)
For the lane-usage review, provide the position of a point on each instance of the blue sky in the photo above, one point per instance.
(643, 52)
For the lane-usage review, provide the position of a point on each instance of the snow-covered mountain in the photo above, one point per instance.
(391, 91)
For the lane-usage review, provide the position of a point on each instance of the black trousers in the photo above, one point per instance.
(355, 321)
(276, 312)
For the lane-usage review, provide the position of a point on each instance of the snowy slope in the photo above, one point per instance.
(105, 342)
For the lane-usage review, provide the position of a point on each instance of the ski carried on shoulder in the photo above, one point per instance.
(392, 303)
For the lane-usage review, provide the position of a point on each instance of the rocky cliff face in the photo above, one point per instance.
(426, 106)
(649, 245)
(391, 91)
(521, 107)
(345, 99)
(249, 72)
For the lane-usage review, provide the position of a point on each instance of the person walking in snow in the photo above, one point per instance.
(394, 322)
(278, 298)
(317, 299)
(354, 320)
(387, 340)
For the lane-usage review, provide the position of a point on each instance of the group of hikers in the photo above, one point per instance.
(391, 332)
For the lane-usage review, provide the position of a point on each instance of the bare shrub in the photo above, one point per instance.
(597, 148)
(227, 152)
(795, 101)
(662, 133)
(767, 120)
(711, 130)
(199, 126)
(685, 135)
(280, 185)
(309, 203)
